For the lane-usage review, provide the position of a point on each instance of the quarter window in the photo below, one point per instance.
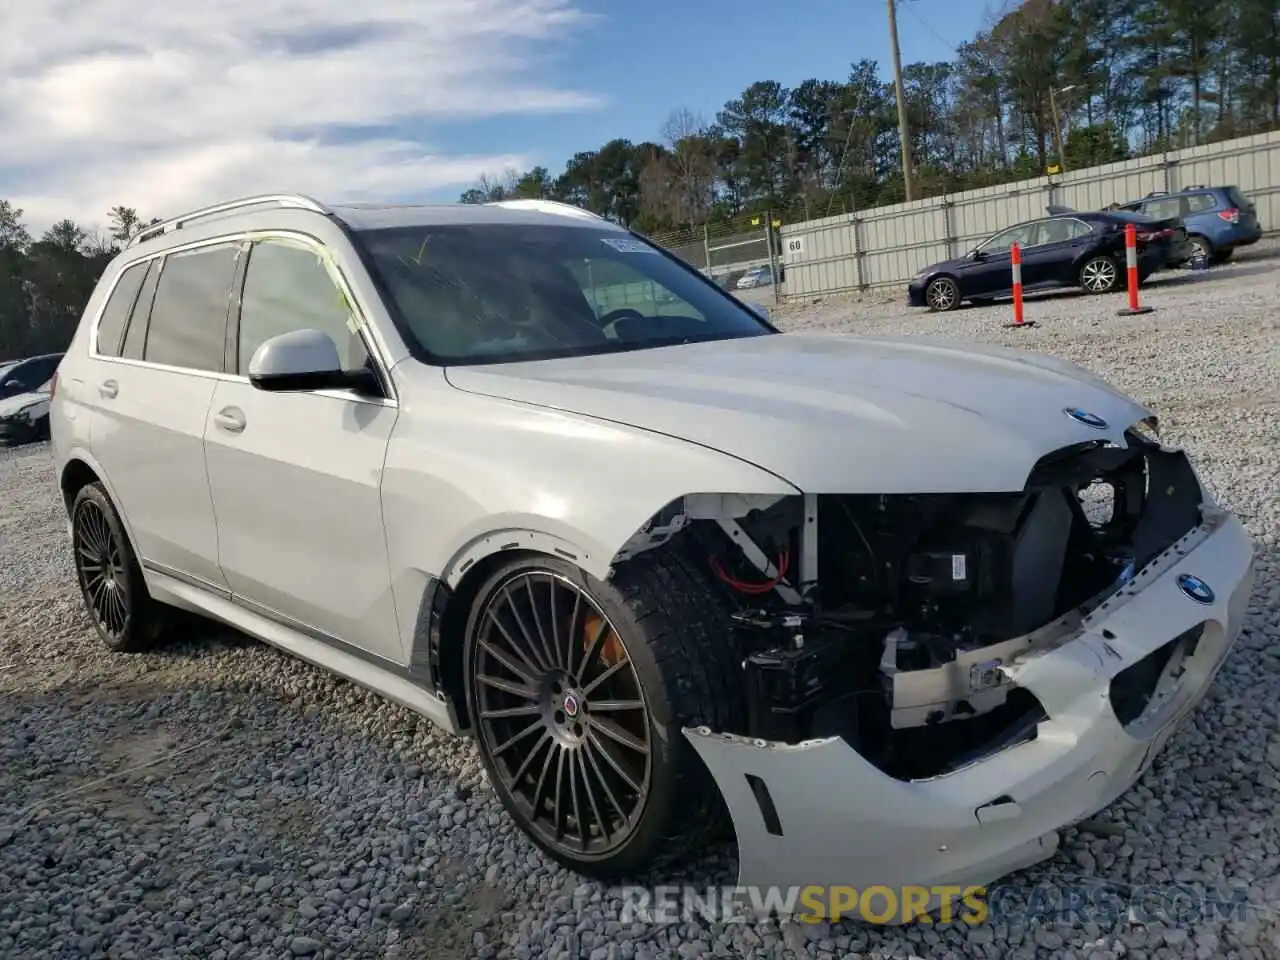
(189, 314)
(287, 287)
(135, 336)
(116, 312)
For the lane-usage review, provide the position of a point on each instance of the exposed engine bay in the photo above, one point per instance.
(888, 620)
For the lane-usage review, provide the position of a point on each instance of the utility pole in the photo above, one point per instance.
(1057, 124)
(903, 133)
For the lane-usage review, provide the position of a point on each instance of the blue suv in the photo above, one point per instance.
(1218, 219)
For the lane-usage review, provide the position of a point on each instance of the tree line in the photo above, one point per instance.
(1127, 78)
(45, 283)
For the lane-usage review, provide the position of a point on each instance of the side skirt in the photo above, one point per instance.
(396, 683)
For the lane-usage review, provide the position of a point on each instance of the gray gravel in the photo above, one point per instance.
(216, 799)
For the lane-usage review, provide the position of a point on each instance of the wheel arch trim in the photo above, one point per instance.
(82, 456)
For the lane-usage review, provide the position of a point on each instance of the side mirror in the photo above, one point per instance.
(977, 255)
(304, 360)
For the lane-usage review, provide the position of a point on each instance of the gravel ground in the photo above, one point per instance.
(216, 799)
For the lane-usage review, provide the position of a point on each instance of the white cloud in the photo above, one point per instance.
(165, 107)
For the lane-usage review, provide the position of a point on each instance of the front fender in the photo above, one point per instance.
(467, 476)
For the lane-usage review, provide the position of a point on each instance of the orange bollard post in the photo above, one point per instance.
(1015, 257)
(1131, 264)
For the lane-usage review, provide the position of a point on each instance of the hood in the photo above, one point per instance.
(944, 266)
(834, 413)
(15, 404)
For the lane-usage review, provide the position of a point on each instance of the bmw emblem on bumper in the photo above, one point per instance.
(1088, 419)
(1195, 588)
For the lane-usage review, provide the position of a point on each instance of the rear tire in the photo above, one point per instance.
(660, 638)
(1222, 256)
(115, 595)
(1200, 247)
(942, 294)
(1099, 274)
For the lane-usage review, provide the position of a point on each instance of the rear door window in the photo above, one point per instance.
(1163, 208)
(1200, 202)
(189, 314)
(115, 315)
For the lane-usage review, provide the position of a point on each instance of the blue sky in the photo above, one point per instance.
(166, 107)
(700, 53)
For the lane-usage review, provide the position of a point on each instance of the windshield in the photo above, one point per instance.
(498, 293)
(5, 369)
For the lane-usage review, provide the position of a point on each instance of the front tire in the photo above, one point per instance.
(115, 595)
(942, 294)
(1099, 275)
(579, 691)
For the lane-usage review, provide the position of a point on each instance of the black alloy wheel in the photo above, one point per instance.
(115, 593)
(101, 568)
(561, 715)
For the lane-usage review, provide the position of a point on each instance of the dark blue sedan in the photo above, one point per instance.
(1084, 250)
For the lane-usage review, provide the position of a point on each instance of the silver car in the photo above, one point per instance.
(898, 609)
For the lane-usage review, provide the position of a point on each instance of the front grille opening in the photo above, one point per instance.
(1134, 687)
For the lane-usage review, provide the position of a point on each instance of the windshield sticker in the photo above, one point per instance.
(627, 245)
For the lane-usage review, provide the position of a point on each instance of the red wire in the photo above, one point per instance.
(754, 589)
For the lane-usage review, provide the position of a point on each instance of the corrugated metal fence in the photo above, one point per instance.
(886, 246)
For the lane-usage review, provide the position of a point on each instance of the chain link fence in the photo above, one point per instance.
(741, 254)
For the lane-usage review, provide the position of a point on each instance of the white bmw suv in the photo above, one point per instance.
(897, 610)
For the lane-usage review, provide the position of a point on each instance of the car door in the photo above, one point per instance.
(296, 476)
(156, 353)
(1049, 259)
(991, 271)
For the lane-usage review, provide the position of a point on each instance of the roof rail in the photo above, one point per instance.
(547, 206)
(1158, 193)
(295, 200)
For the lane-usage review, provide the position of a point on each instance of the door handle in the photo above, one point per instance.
(109, 388)
(230, 419)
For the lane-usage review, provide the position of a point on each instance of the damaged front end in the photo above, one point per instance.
(937, 683)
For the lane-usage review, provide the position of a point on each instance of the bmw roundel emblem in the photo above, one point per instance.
(1088, 419)
(1195, 588)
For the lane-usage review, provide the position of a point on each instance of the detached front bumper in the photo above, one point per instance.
(817, 813)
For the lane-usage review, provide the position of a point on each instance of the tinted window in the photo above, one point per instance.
(1001, 242)
(1238, 198)
(116, 313)
(188, 315)
(1055, 231)
(287, 287)
(1200, 201)
(42, 371)
(136, 335)
(1165, 207)
(497, 292)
